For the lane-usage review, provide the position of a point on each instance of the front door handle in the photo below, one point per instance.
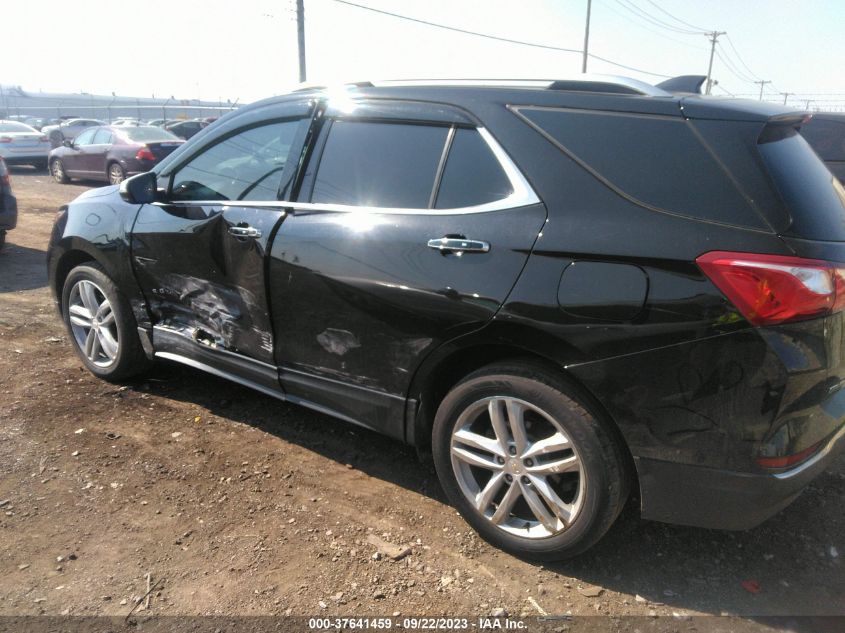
(244, 231)
(459, 244)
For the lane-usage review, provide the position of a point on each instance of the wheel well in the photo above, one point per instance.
(67, 263)
(450, 370)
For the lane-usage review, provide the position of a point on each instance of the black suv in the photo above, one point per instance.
(565, 290)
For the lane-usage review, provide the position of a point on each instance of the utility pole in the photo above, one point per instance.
(586, 38)
(714, 36)
(786, 95)
(300, 33)
(762, 83)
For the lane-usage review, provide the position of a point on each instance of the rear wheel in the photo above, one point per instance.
(116, 174)
(527, 465)
(57, 168)
(102, 328)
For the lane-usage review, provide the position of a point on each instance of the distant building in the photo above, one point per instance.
(19, 103)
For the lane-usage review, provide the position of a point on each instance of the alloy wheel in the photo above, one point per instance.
(58, 171)
(518, 467)
(115, 174)
(92, 322)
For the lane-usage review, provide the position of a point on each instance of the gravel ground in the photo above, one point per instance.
(238, 504)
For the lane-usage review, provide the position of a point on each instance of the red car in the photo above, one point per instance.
(111, 153)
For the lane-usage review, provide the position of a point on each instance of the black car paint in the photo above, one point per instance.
(8, 202)
(695, 391)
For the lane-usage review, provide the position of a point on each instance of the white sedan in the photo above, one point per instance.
(20, 143)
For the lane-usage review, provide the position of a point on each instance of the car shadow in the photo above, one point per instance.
(21, 268)
(783, 567)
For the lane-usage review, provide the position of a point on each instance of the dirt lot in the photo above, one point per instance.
(240, 504)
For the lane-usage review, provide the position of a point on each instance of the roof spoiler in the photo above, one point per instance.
(688, 84)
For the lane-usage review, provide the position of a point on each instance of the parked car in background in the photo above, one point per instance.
(126, 121)
(185, 129)
(825, 132)
(8, 204)
(111, 153)
(37, 122)
(68, 130)
(22, 144)
(161, 122)
(562, 290)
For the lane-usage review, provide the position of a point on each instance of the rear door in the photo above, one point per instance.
(200, 253)
(412, 227)
(95, 155)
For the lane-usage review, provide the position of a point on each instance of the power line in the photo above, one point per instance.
(654, 31)
(739, 57)
(498, 38)
(634, 9)
(732, 68)
(677, 19)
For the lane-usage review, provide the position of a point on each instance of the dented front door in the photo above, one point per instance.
(201, 267)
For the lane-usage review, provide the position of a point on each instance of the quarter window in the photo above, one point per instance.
(472, 175)
(245, 166)
(379, 164)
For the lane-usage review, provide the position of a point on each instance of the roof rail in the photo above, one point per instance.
(688, 84)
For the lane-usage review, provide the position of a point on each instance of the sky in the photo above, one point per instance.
(247, 50)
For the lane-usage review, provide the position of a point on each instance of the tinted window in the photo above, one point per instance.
(815, 198)
(149, 134)
(102, 137)
(246, 166)
(655, 160)
(379, 164)
(472, 174)
(85, 138)
(826, 137)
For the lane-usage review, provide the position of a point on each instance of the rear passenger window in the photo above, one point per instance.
(102, 137)
(379, 164)
(655, 160)
(472, 175)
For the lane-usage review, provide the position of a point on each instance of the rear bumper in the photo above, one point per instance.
(25, 156)
(710, 498)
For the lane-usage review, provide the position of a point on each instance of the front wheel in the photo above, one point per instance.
(101, 324)
(527, 465)
(57, 168)
(116, 174)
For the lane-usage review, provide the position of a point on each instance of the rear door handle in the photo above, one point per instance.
(459, 244)
(244, 231)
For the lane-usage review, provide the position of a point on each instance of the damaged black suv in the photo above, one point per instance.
(564, 290)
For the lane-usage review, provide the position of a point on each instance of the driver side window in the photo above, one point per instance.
(245, 166)
(85, 137)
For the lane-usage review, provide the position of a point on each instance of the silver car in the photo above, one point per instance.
(68, 130)
(20, 143)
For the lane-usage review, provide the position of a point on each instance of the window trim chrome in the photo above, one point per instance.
(522, 195)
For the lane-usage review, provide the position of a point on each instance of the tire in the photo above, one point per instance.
(57, 168)
(580, 467)
(2, 239)
(97, 306)
(40, 165)
(115, 174)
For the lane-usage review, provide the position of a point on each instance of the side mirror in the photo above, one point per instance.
(67, 143)
(139, 189)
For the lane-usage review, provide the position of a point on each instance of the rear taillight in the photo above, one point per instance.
(6, 139)
(145, 154)
(788, 460)
(769, 289)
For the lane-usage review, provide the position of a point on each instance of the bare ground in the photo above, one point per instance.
(240, 504)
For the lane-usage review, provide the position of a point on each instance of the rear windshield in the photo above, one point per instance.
(826, 137)
(10, 127)
(814, 197)
(148, 134)
(656, 160)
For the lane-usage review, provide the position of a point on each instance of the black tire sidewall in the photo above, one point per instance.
(583, 430)
(124, 320)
